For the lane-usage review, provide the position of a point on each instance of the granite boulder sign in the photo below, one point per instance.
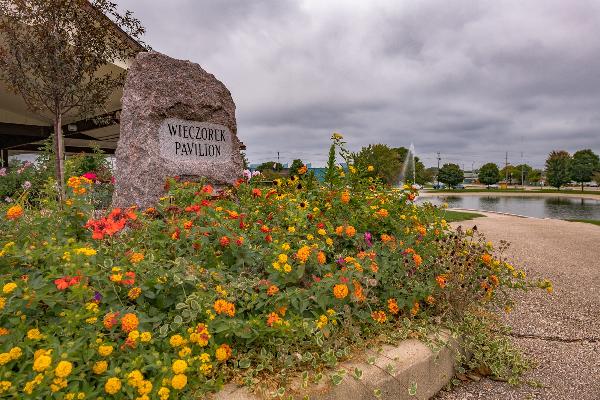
(176, 120)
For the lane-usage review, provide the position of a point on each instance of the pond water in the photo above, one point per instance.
(531, 206)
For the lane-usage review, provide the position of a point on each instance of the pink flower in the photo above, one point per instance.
(91, 176)
(2, 171)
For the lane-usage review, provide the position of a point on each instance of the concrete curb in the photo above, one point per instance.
(394, 371)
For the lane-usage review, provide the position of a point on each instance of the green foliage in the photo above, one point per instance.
(386, 161)
(251, 283)
(489, 174)
(522, 171)
(451, 175)
(583, 165)
(534, 176)
(491, 350)
(296, 165)
(270, 166)
(558, 168)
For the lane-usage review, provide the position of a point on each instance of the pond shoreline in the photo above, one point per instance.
(588, 196)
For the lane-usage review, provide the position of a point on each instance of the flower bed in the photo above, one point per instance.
(252, 283)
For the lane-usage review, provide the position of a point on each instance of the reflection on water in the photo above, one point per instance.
(532, 206)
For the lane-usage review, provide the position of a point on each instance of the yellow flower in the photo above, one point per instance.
(310, 237)
(15, 353)
(112, 386)
(100, 367)
(303, 254)
(133, 336)
(4, 358)
(176, 340)
(179, 366)
(34, 334)
(329, 241)
(144, 387)
(223, 352)
(179, 381)
(134, 378)
(91, 320)
(134, 293)
(287, 268)
(370, 168)
(2, 303)
(146, 337)
(185, 351)
(322, 232)
(285, 247)
(163, 393)
(85, 251)
(105, 350)
(4, 386)
(93, 307)
(282, 258)
(9, 287)
(291, 229)
(42, 363)
(63, 369)
(205, 369)
(205, 357)
(337, 136)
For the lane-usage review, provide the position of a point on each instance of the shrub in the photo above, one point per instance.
(246, 283)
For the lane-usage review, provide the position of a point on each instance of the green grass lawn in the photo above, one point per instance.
(454, 216)
(587, 221)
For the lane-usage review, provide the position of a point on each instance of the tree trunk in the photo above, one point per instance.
(59, 152)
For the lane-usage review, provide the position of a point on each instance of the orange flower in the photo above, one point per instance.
(494, 279)
(136, 258)
(345, 197)
(272, 319)
(224, 241)
(14, 212)
(272, 290)
(302, 170)
(417, 259)
(321, 258)
(134, 293)
(415, 309)
(110, 320)
(188, 225)
(129, 322)
(358, 291)
(393, 306)
(441, 281)
(339, 230)
(340, 291)
(421, 229)
(350, 231)
(379, 316)
(303, 254)
(223, 352)
(382, 212)
(374, 267)
(256, 193)
(224, 307)
(486, 258)
(430, 300)
(207, 189)
(386, 238)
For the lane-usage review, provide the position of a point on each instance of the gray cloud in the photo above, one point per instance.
(472, 80)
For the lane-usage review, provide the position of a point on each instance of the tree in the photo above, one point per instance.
(534, 176)
(386, 161)
(489, 174)
(509, 173)
(583, 165)
(296, 165)
(269, 166)
(54, 54)
(558, 168)
(451, 175)
(522, 172)
(245, 163)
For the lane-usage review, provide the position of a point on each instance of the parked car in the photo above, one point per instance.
(417, 186)
(494, 186)
(460, 186)
(439, 185)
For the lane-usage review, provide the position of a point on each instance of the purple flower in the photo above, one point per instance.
(2, 171)
(97, 297)
(26, 185)
(341, 261)
(368, 238)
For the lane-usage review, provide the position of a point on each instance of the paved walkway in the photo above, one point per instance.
(561, 331)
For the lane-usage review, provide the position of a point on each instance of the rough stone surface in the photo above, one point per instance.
(391, 370)
(560, 332)
(161, 90)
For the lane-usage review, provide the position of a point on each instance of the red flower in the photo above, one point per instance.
(224, 241)
(207, 189)
(256, 193)
(66, 281)
(268, 239)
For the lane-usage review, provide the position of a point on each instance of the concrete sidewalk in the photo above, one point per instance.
(561, 331)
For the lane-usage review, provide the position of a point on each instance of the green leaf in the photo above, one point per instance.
(244, 363)
(358, 373)
(336, 379)
(412, 390)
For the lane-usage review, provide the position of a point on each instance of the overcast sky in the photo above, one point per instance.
(471, 79)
